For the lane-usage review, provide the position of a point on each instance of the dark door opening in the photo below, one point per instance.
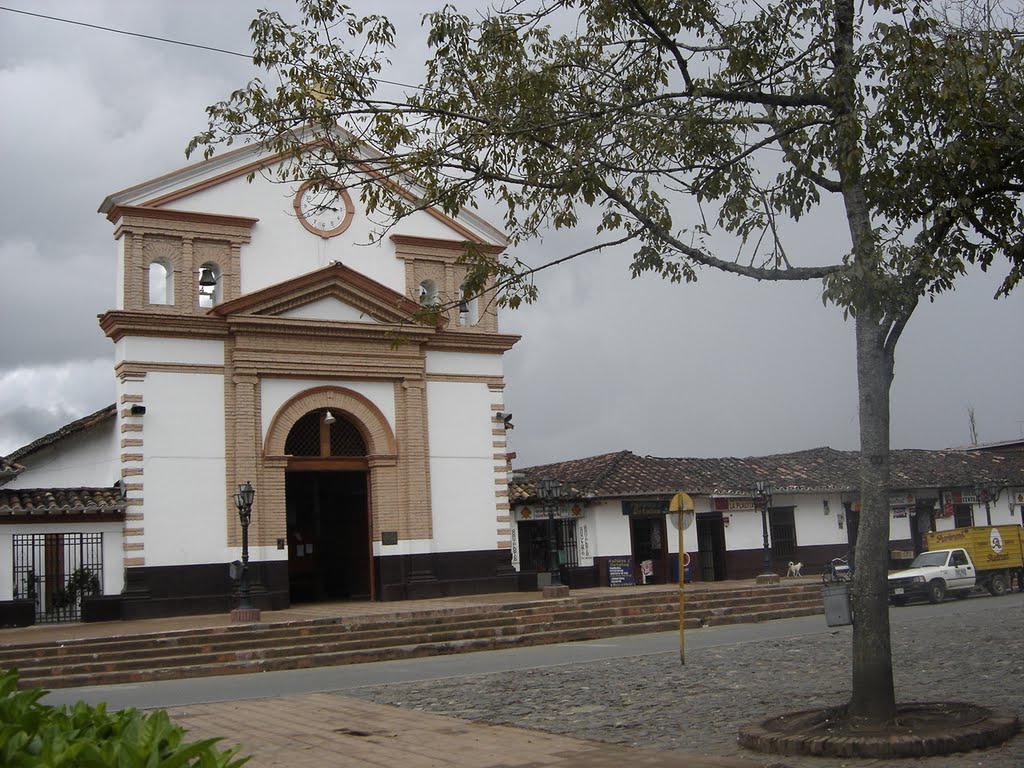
(711, 547)
(649, 546)
(921, 523)
(329, 545)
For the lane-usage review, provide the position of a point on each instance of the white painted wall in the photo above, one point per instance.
(149, 349)
(278, 232)
(88, 459)
(328, 309)
(113, 551)
(611, 529)
(462, 476)
(464, 363)
(184, 469)
(274, 393)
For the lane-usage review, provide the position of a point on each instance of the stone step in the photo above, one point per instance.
(237, 649)
(332, 657)
(383, 633)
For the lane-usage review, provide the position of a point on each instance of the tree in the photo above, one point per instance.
(667, 122)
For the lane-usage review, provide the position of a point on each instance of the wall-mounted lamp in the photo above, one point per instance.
(506, 419)
(329, 418)
(138, 410)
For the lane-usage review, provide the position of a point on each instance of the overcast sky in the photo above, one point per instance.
(723, 367)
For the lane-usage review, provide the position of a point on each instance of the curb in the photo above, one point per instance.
(807, 732)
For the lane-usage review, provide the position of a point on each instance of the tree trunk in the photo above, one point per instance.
(874, 696)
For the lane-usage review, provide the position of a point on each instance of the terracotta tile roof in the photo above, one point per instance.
(8, 469)
(79, 425)
(44, 504)
(818, 469)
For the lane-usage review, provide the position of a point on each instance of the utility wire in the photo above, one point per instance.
(126, 32)
(163, 39)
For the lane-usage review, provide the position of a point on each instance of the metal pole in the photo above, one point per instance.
(766, 552)
(682, 503)
(244, 592)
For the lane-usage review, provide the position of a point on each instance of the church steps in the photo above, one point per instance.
(237, 649)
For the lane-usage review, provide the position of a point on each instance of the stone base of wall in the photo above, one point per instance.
(445, 574)
(17, 613)
(184, 590)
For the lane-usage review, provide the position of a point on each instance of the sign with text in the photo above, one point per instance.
(620, 571)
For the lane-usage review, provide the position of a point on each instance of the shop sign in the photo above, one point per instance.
(645, 508)
(895, 502)
(960, 497)
(620, 571)
(731, 504)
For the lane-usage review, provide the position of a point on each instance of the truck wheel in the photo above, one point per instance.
(936, 591)
(997, 585)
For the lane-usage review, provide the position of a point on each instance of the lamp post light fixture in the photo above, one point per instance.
(762, 495)
(549, 491)
(987, 492)
(243, 502)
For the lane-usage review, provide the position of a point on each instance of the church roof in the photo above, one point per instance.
(76, 426)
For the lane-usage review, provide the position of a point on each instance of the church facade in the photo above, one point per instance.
(264, 334)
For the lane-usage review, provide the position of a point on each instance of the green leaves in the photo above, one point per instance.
(81, 736)
(665, 121)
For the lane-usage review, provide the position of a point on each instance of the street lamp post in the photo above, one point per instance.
(549, 491)
(762, 494)
(243, 502)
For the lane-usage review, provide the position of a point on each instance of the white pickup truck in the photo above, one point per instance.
(987, 557)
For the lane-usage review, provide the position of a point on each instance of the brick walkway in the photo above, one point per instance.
(323, 729)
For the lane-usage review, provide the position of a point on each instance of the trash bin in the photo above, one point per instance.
(837, 604)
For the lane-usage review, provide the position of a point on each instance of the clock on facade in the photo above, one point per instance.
(324, 208)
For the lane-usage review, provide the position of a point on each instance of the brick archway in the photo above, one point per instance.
(364, 415)
(381, 455)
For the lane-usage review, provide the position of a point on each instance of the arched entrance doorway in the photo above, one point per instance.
(327, 501)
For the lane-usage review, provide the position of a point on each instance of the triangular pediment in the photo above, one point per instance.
(187, 190)
(334, 294)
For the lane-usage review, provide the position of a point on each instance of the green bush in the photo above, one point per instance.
(82, 736)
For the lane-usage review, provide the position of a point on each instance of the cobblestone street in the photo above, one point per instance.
(652, 701)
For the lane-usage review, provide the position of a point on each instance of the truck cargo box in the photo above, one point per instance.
(991, 547)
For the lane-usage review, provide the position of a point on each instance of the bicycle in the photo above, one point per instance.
(838, 571)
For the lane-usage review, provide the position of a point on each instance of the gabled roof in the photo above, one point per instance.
(43, 504)
(79, 425)
(819, 469)
(335, 280)
(251, 159)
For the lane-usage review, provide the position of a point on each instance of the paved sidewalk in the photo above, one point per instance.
(324, 730)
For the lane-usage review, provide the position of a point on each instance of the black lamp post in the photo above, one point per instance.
(987, 492)
(243, 502)
(762, 493)
(549, 491)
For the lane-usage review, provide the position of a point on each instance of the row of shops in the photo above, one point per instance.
(606, 520)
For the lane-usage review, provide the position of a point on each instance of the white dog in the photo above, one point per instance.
(794, 569)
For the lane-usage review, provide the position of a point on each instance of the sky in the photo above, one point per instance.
(722, 367)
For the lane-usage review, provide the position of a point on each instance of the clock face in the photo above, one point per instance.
(324, 208)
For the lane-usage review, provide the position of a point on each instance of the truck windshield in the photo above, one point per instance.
(926, 559)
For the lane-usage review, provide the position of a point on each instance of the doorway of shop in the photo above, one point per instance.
(650, 553)
(329, 547)
(711, 546)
